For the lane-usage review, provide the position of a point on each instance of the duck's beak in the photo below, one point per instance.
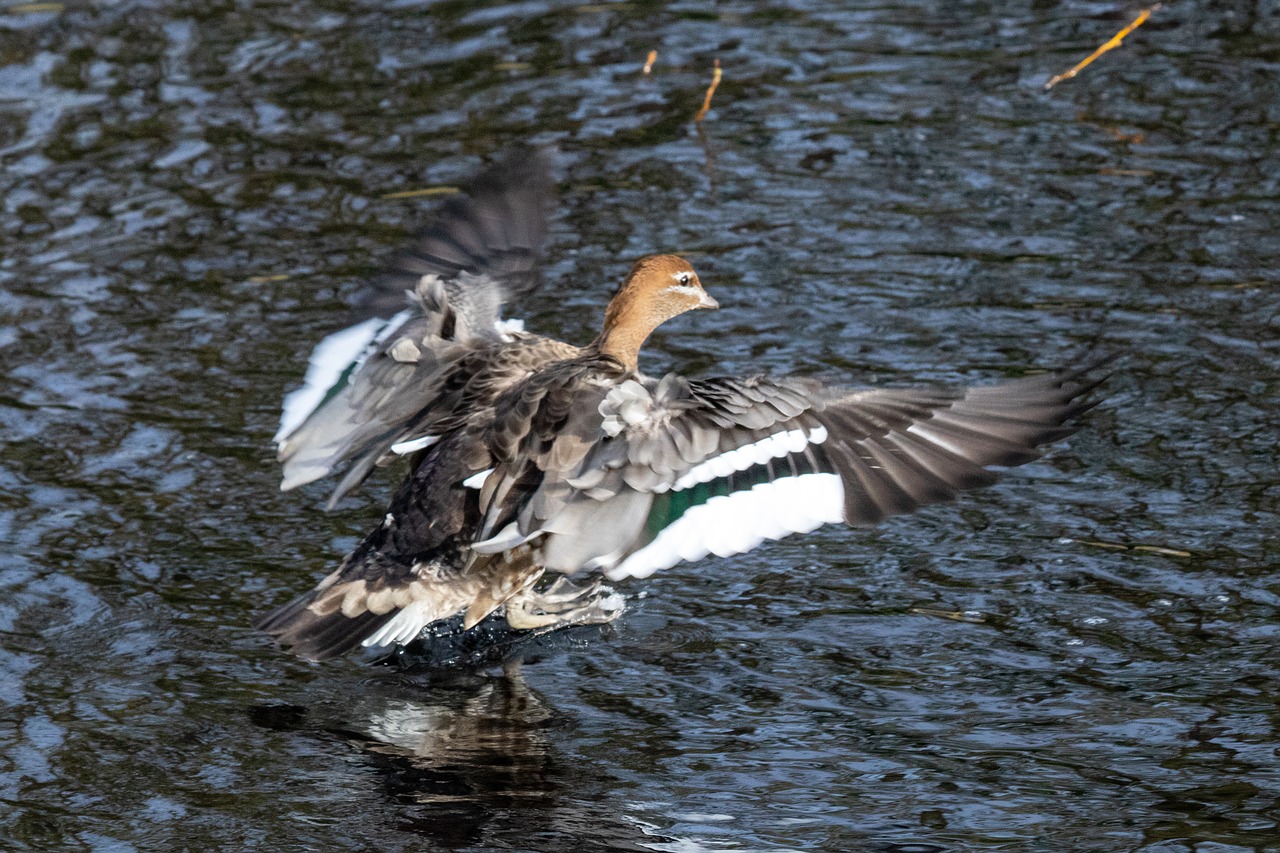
(705, 301)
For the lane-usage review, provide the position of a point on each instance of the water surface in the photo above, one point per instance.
(1083, 658)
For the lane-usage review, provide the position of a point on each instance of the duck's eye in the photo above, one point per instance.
(684, 279)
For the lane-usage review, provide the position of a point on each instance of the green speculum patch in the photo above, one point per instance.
(668, 507)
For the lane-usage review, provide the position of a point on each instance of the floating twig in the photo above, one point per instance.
(1126, 173)
(973, 617)
(33, 8)
(1166, 552)
(421, 192)
(1115, 42)
(1150, 549)
(711, 90)
(648, 63)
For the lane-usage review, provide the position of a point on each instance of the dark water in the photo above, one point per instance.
(1084, 658)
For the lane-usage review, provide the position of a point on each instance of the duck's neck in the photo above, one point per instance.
(626, 328)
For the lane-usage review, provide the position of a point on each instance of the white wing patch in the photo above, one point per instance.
(404, 448)
(734, 524)
(404, 626)
(476, 481)
(508, 329)
(770, 447)
(332, 357)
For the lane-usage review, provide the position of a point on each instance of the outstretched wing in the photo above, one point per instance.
(682, 469)
(495, 228)
(438, 300)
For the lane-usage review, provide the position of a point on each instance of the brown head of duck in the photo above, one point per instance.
(658, 288)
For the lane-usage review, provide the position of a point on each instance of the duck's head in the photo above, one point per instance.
(658, 288)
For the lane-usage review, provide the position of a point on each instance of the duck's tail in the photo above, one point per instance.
(379, 604)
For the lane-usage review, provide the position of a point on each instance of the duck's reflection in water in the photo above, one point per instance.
(469, 760)
(474, 762)
(469, 736)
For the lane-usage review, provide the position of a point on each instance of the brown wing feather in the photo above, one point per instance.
(904, 449)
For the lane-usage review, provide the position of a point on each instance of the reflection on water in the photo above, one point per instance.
(884, 192)
(469, 762)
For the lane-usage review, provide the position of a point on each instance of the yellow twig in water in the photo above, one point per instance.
(711, 90)
(33, 8)
(422, 192)
(648, 63)
(1110, 546)
(1115, 42)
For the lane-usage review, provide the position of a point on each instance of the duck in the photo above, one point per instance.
(539, 469)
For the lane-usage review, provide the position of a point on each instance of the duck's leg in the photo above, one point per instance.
(563, 604)
(564, 590)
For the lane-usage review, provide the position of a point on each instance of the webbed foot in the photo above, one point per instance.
(563, 604)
